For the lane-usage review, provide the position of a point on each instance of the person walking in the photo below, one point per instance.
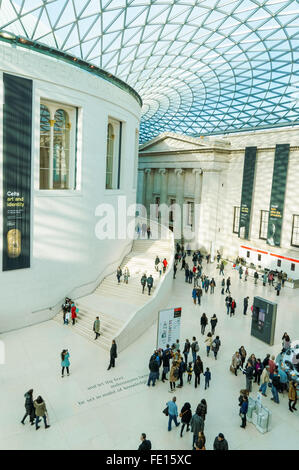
(228, 283)
(278, 288)
(246, 274)
(198, 369)
(143, 282)
(186, 350)
(126, 275)
(157, 261)
(175, 268)
(172, 413)
(228, 302)
(209, 341)
(165, 264)
(220, 443)
(150, 283)
(243, 411)
(113, 354)
(145, 445)
(40, 412)
(194, 348)
(265, 378)
(29, 407)
(240, 272)
(190, 372)
(96, 327)
(194, 295)
(197, 425)
(199, 294)
(215, 346)
(154, 370)
(186, 416)
(119, 274)
(207, 376)
(256, 276)
(212, 285)
(213, 322)
(65, 362)
(203, 323)
(246, 299)
(202, 409)
(292, 395)
(221, 269)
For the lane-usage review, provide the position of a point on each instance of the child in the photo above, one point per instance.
(207, 376)
(189, 372)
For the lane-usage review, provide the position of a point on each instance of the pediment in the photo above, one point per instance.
(166, 143)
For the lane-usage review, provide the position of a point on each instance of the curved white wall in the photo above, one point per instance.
(66, 256)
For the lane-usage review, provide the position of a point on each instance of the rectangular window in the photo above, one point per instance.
(295, 231)
(190, 213)
(248, 254)
(264, 217)
(58, 146)
(236, 219)
(259, 257)
(157, 203)
(113, 155)
(279, 263)
(171, 212)
(293, 267)
(136, 159)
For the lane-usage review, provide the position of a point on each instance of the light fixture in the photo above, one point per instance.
(7, 35)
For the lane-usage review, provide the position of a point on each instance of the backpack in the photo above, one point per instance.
(176, 373)
(196, 347)
(214, 345)
(184, 367)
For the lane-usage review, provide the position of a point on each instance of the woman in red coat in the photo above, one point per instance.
(73, 313)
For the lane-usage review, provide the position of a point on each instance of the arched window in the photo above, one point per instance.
(61, 150)
(45, 137)
(110, 157)
(57, 146)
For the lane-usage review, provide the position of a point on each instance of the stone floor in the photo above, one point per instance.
(97, 409)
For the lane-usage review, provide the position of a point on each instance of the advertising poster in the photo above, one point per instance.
(169, 327)
(17, 135)
(247, 192)
(279, 182)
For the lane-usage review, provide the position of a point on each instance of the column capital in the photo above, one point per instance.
(147, 171)
(179, 171)
(162, 171)
(197, 171)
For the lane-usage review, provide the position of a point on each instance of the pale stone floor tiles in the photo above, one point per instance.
(115, 416)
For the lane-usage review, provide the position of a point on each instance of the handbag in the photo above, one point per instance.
(166, 411)
(232, 369)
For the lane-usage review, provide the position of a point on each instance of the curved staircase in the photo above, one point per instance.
(115, 303)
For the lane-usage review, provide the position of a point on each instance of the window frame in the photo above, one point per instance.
(117, 126)
(293, 229)
(236, 218)
(262, 226)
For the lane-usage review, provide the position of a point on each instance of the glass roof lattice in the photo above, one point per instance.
(200, 66)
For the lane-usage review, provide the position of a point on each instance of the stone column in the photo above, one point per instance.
(148, 190)
(163, 185)
(197, 201)
(207, 233)
(179, 222)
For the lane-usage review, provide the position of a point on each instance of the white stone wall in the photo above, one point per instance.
(66, 256)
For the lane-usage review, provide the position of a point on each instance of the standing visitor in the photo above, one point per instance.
(245, 305)
(73, 314)
(154, 370)
(246, 274)
(194, 295)
(236, 361)
(119, 274)
(186, 416)
(200, 443)
(275, 387)
(212, 285)
(150, 283)
(240, 272)
(166, 362)
(243, 412)
(256, 276)
(186, 350)
(292, 395)
(243, 354)
(221, 271)
(220, 443)
(149, 233)
(29, 407)
(96, 327)
(202, 409)
(190, 372)
(174, 375)
(198, 369)
(265, 378)
(194, 348)
(174, 270)
(203, 323)
(233, 307)
(215, 346)
(213, 322)
(40, 412)
(197, 425)
(113, 354)
(228, 302)
(157, 261)
(126, 275)
(143, 282)
(65, 362)
(249, 371)
(207, 376)
(209, 341)
(172, 413)
(199, 294)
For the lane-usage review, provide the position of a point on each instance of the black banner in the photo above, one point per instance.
(17, 132)
(247, 192)
(279, 183)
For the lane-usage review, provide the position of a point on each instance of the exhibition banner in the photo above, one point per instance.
(17, 135)
(247, 192)
(279, 183)
(169, 327)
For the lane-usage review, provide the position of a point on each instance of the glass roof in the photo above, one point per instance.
(200, 66)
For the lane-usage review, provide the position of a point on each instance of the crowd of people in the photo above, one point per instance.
(70, 311)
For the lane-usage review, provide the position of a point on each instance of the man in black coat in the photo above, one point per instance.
(145, 443)
(245, 305)
(220, 443)
(113, 354)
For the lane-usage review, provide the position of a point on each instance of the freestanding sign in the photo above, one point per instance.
(247, 192)
(17, 135)
(169, 327)
(264, 320)
(279, 182)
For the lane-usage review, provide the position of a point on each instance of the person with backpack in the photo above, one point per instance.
(186, 416)
(29, 407)
(198, 369)
(194, 348)
(199, 294)
(203, 323)
(215, 346)
(186, 350)
(174, 375)
(65, 362)
(154, 370)
(202, 409)
(143, 282)
(150, 283)
(213, 322)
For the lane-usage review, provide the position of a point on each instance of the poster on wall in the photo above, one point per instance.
(279, 182)
(169, 327)
(17, 135)
(247, 192)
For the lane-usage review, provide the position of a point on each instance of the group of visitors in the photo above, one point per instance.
(143, 230)
(125, 273)
(35, 410)
(70, 311)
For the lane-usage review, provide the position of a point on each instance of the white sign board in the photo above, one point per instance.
(169, 327)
